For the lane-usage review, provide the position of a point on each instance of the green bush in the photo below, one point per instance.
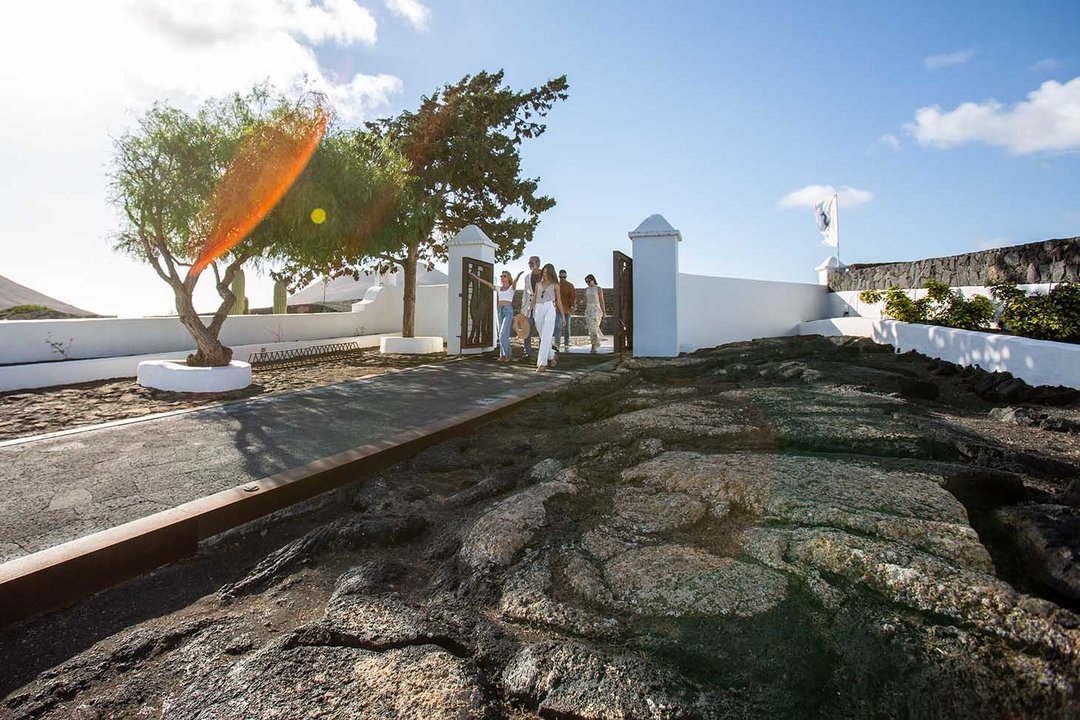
(1053, 316)
(940, 306)
(28, 308)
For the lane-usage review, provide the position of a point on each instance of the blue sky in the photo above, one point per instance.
(708, 113)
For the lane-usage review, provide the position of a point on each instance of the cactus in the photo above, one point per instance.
(238, 291)
(280, 297)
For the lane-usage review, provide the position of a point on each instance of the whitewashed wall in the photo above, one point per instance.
(718, 310)
(431, 311)
(47, 374)
(27, 341)
(1037, 362)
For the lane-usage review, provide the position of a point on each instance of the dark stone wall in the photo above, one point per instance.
(1050, 261)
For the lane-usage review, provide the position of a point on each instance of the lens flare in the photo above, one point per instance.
(264, 168)
(318, 216)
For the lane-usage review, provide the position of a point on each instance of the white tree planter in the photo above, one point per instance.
(410, 346)
(178, 377)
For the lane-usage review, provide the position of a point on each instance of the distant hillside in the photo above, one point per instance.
(18, 302)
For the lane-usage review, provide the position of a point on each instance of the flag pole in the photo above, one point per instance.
(837, 196)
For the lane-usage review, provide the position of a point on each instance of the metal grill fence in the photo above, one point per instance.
(303, 356)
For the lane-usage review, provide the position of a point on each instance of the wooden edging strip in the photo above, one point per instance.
(62, 575)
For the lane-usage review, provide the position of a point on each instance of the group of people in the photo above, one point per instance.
(548, 301)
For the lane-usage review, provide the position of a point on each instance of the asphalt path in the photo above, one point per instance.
(64, 486)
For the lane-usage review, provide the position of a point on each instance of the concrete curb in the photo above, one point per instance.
(62, 575)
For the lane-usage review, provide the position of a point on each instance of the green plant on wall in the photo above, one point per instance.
(940, 306)
(1053, 316)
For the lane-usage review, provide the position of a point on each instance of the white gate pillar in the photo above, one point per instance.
(470, 242)
(828, 267)
(656, 288)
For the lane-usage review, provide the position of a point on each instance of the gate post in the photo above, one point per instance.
(470, 242)
(656, 288)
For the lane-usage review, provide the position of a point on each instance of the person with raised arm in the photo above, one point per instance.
(504, 308)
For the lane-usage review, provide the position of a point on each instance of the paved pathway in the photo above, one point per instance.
(59, 488)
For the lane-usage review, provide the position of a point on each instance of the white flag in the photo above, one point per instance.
(825, 214)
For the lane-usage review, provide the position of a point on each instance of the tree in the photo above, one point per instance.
(463, 168)
(197, 191)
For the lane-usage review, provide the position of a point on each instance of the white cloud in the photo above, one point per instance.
(204, 22)
(1045, 65)
(811, 195)
(77, 73)
(936, 62)
(1048, 120)
(412, 10)
(891, 141)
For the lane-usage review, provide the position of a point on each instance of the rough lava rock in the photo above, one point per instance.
(795, 527)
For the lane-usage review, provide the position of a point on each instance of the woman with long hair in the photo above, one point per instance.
(546, 301)
(505, 308)
(594, 310)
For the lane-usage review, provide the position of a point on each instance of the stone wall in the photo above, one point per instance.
(1051, 261)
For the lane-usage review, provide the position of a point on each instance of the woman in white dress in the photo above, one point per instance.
(546, 301)
(594, 310)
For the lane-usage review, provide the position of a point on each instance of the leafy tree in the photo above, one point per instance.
(186, 180)
(461, 148)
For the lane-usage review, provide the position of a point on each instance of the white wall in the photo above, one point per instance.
(381, 308)
(36, 375)
(27, 341)
(431, 311)
(718, 310)
(1037, 362)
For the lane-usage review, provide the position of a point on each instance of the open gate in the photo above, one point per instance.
(622, 275)
(477, 315)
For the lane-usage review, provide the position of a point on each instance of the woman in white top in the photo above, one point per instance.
(505, 309)
(594, 310)
(546, 301)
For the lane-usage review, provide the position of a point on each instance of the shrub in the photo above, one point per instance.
(940, 306)
(1053, 316)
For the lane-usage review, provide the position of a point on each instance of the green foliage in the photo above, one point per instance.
(462, 145)
(28, 308)
(940, 306)
(1053, 316)
(358, 181)
(167, 177)
(463, 167)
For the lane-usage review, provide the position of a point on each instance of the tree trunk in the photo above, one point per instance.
(210, 352)
(408, 313)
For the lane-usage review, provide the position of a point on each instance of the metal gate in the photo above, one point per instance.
(477, 315)
(622, 274)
